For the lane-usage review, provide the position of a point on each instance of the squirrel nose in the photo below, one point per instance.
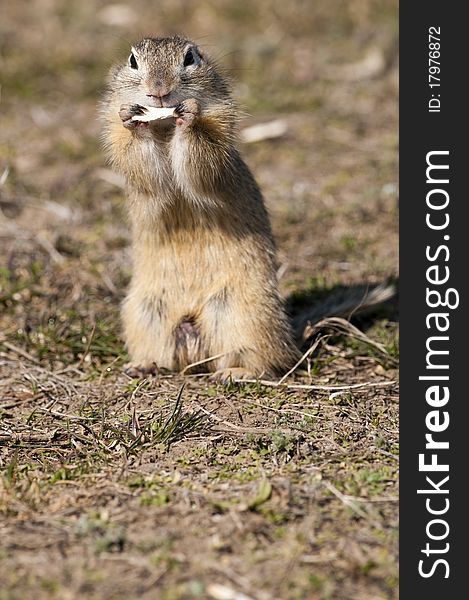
(157, 89)
(160, 98)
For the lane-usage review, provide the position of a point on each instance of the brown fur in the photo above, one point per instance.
(204, 276)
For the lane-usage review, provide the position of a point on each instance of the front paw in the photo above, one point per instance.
(186, 113)
(127, 112)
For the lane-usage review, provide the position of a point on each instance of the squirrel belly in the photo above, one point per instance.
(202, 290)
(204, 280)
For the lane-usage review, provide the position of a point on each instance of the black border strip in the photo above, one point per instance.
(431, 402)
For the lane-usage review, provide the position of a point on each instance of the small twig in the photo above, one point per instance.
(264, 131)
(382, 499)
(386, 453)
(109, 284)
(310, 350)
(87, 348)
(350, 502)
(64, 382)
(21, 352)
(59, 415)
(108, 369)
(279, 410)
(141, 384)
(202, 362)
(238, 580)
(313, 559)
(13, 402)
(55, 256)
(345, 327)
(222, 592)
(301, 386)
(238, 427)
(27, 437)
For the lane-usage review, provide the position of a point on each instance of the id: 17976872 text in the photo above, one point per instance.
(434, 69)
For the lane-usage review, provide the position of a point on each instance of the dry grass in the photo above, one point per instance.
(179, 488)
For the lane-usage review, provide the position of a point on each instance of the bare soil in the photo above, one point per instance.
(180, 488)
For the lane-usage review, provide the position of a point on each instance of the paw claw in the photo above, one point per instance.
(186, 112)
(127, 111)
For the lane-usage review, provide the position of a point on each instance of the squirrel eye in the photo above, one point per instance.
(189, 58)
(133, 61)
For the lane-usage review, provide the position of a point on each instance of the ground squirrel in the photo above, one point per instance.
(204, 285)
(204, 280)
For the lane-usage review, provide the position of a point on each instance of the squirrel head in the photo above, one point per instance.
(165, 71)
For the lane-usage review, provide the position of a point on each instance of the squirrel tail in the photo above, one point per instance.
(344, 303)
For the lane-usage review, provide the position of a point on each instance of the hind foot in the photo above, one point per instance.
(230, 374)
